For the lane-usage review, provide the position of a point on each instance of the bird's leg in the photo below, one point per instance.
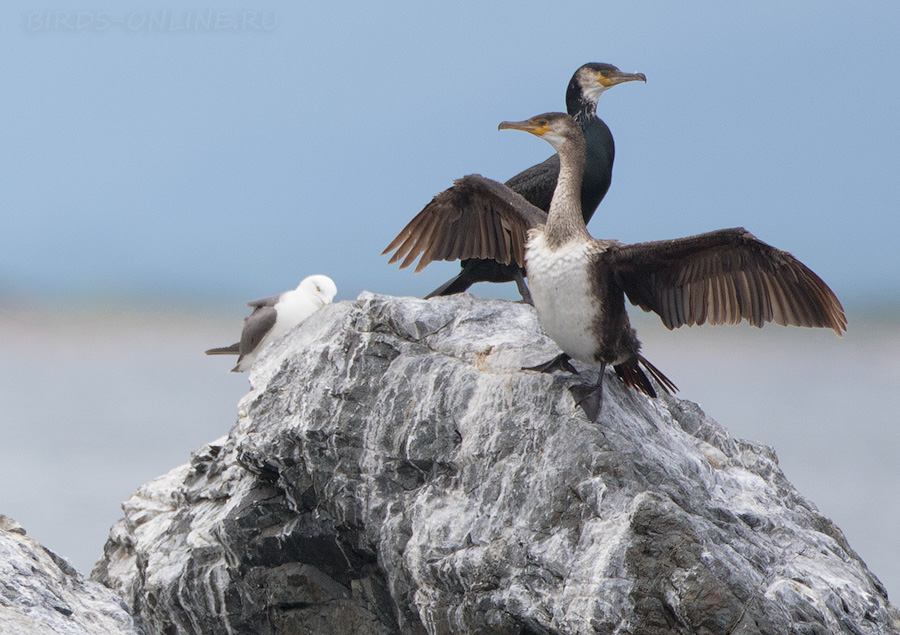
(589, 396)
(523, 288)
(560, 362)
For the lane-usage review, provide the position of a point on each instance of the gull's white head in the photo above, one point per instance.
(319, 287)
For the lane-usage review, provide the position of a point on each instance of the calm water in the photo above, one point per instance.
(95, 404)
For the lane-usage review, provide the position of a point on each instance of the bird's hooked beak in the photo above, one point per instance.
(608, 79)
(537, 128)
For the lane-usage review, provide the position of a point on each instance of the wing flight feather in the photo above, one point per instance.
(723, 277)
(476, 218)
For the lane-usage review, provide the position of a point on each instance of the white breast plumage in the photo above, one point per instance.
(563, 294)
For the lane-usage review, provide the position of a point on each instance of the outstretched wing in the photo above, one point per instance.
(723, 277)
(476, 218)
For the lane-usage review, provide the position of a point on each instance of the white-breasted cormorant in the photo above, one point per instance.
(579, 284)
(536, 183)
(273, 317)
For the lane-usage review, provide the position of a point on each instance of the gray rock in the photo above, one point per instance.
(393, 471)
(41, 593)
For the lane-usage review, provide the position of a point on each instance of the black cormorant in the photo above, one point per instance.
(537, 183)
(579, 284)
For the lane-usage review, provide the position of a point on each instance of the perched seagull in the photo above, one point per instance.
(275, 316)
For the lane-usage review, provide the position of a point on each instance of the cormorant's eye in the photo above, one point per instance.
(604, 73)
(543, 122)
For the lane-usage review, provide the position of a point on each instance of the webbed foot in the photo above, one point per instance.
(560, 362)
(589, 397)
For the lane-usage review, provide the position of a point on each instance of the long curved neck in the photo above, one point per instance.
(565, 221)
(601, 149)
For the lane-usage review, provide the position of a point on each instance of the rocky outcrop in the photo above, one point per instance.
(41, 593)
(393, 471)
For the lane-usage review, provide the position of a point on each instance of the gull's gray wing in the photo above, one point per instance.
(270, 301)
(256, 326)
(234, 349)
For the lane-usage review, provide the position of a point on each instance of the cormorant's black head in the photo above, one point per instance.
(556, 128)
(589, 82)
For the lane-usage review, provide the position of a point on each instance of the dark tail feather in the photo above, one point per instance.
(457, 284)
(630, 372)
(225, 350)
(664, 382)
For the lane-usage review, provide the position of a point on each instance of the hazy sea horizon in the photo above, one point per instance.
(98, 400)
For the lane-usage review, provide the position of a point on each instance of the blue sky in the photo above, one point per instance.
(216, 151)
(225, 149)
